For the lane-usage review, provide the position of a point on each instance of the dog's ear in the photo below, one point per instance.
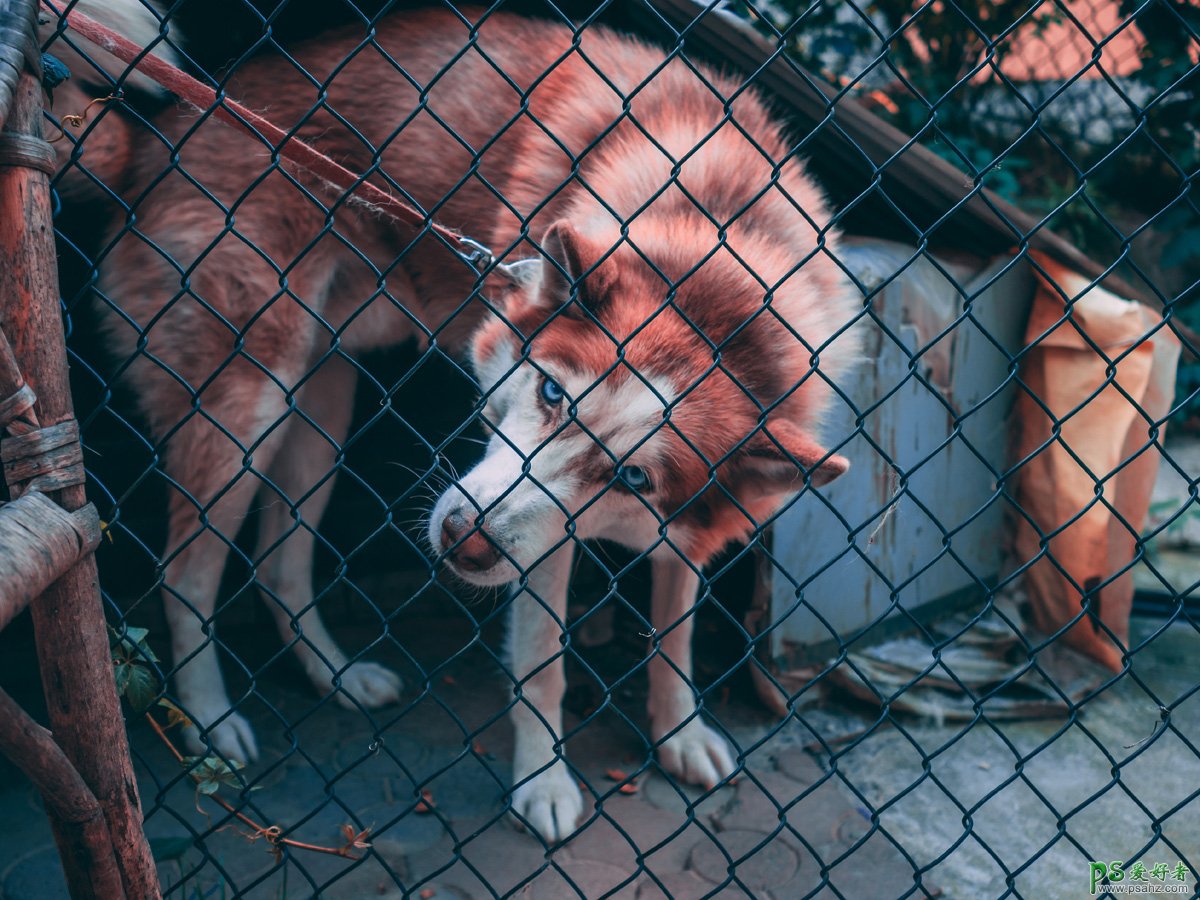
(554, 278)
(567, 269)
(523, 276)
(781, 457)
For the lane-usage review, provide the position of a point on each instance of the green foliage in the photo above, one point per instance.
(131, 643)
(932, 69)
(1172, 117)
(211, 773)
(136, 682)
(140, 685)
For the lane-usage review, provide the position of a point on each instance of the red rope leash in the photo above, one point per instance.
(289, 147)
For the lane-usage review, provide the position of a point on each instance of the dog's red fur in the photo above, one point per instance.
(235, 281)
(256, 294)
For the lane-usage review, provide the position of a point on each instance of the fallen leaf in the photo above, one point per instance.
(425, 805)
(175, 715)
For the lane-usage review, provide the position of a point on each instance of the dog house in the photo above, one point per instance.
(919, 528)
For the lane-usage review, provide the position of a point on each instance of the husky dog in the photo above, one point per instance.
(655, 355)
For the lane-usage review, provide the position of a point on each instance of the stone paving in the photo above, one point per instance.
(329, 770)
(792, 826)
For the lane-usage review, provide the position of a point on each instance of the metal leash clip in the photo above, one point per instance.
(480, 258)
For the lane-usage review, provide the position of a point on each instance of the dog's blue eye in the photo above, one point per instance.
(635, 478)
(552, 392)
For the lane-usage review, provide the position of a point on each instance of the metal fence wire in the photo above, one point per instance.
(242, 333)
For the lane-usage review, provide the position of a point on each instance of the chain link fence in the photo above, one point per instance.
(923, 673)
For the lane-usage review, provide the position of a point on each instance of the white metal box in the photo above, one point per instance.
(930, 437)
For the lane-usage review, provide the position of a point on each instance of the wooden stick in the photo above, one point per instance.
(72, 643)
(84, 842)
(16, 420)
(39, 541)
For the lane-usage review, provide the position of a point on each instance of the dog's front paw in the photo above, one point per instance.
(549, 804)
(368, 684)
(232, 737)
(696, 754)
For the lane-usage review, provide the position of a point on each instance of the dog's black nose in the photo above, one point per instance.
(471, 552)
(454, 526)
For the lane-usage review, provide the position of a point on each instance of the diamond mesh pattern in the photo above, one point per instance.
(953, 128)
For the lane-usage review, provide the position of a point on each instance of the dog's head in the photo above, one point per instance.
(647, 390)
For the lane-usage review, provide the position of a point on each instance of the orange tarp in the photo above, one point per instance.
(1088, 489)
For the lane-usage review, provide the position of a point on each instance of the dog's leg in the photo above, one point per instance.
(214, 461)
(302, 471)
(545, 795)
(688, 748)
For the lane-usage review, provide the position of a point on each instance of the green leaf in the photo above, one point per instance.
(121, 674)
(146, 652)
(143, 650)
(165, 849)
(211, 772)
(131, 644)
(142, 687)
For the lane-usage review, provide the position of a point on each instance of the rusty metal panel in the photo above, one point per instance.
(919, 520)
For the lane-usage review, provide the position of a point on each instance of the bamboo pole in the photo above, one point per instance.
(72, 643)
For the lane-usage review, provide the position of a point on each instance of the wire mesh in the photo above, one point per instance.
(196, 260)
